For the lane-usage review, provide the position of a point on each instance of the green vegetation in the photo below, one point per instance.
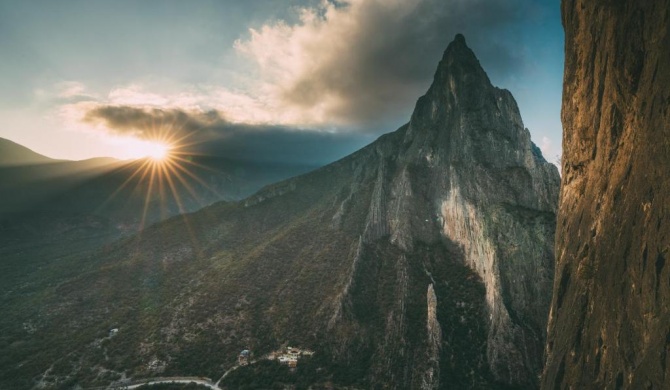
(270, 374)
(189, 294)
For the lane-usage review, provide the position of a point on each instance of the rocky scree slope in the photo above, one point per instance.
(610, 320)
(424, 260)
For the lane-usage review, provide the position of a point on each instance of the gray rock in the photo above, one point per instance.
(465, 169)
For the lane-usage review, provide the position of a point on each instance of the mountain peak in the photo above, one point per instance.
(458, 47)
(459, 64)
(460, 86)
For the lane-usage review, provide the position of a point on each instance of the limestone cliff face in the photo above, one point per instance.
(464, 169)
(495, 198)
(610, 320)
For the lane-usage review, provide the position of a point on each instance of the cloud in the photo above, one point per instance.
(550, 152)
(70, 89)
(546, 146)
(359, 62)
(356, 65)
(151, 123)
(250, 106)
(351, 67)
(209, 133)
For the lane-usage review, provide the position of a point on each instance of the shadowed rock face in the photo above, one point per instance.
(494, 197)
(610, 320)
(422, 261)
(464, 169)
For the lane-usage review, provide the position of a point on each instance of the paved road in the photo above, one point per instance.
(213, 386)
(233, 368)
(209, 384)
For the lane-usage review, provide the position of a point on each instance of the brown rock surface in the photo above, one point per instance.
(609, 325)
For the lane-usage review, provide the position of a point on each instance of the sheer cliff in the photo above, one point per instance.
(424, 260)
(610, 320)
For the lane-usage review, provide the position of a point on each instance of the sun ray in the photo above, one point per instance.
(189, 162)
(165, 172)
(186, 185)
(137, 171)
(166, 175)
(196, 178)
(147, 198)
(177, 198)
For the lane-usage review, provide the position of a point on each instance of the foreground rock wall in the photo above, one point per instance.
(610, 320)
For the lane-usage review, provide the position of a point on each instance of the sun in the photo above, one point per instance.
(156, 151)
(153, 150)
(162, 170)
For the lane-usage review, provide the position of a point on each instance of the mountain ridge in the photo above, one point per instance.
(422, 260)
(12, 153)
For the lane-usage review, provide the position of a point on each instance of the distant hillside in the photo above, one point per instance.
(124, 192)
(12, 154)
(53, 215)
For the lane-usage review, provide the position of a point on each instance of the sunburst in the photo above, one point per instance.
(163, 168)
(157, 151)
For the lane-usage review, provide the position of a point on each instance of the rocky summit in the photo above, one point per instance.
(610, 321)
(425, 260)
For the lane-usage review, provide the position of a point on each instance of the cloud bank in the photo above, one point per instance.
(209, 133)
(363, 63)
(352, 67)
(152, 123)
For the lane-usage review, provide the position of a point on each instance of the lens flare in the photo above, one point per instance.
(164, 171)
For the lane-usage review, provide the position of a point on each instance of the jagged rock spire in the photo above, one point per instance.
(459, 78)
(489, 184)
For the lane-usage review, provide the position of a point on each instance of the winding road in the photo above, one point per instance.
(202, 382)
(184, 380)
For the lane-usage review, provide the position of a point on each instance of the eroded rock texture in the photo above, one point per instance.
(464, 169)
(610, 320)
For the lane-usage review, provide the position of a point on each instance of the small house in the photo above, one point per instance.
(244, 357)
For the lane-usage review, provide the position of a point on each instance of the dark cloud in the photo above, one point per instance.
(392, 49)
(367, 65)
(209, 133)
(152, 123)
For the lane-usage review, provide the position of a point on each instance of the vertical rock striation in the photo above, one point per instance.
(432, 375)
(494, 197)
(464, 170)
(610, 321)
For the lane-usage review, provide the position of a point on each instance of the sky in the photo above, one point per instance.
(308, 80)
